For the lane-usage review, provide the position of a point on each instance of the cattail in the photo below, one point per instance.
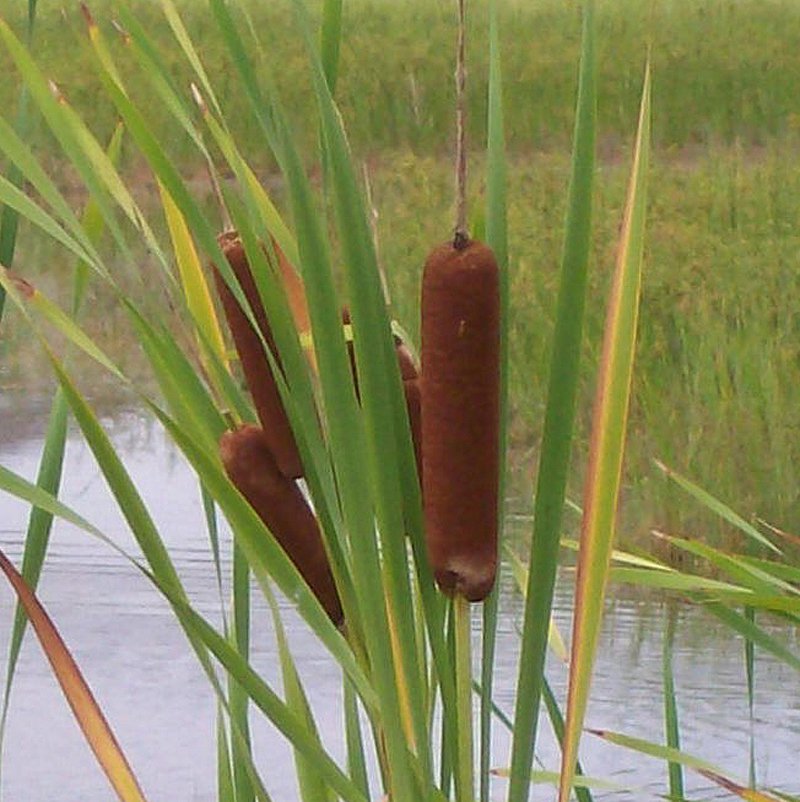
(250, 465)
(460, 319)
(410, 377)
(256, 367)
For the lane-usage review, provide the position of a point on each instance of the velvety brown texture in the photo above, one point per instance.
(460, 321)
(255, 364)
(279, 503)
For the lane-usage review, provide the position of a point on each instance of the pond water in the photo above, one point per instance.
(162, 709)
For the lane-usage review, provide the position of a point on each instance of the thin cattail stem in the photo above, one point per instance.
(461, 236)
(465, 788)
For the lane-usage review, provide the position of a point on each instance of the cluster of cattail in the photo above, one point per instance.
(453, 415)
(264, 463)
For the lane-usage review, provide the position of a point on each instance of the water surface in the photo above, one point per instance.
(161, 707)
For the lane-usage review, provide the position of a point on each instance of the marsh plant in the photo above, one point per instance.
(360, 485)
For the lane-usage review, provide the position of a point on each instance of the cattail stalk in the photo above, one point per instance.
(250, 465)
(461, 236)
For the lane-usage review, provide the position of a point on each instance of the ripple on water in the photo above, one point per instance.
(143, 672)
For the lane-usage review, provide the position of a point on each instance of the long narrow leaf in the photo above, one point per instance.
(497, 240)
(193, 280)
(225, 792)
(330, 41)
(49, 478)
(749, 794)
(607, 447)
(242, 748)
(95, 728)
(83, 150)
(20, 155)
(557, 722)
(715, 505)
(699, 765)
(752, 632)
(746, 574)
(184, 40)
(558, 422)
(655, 750)
(379, 381)
(671, 725)
(37, 535)
(40, 498)
(200, 633)
(9, 218)
(293, 727)
(356, 760)
(160, 163)
(312, 786)
(17, 200)
(750, 670)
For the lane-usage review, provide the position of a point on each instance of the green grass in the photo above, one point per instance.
(722, 70)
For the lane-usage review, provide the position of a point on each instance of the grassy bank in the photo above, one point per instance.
(722, 70)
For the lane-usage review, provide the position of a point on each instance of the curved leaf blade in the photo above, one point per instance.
(90, 718)
(556, 446)
(607, 446)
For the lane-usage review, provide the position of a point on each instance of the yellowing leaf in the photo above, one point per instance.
(750, 794)
(193, 280)
(607, 447)
(95, 728)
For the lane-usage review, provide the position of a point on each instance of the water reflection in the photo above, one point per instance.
(160, 705)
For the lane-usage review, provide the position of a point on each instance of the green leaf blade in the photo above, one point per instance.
(559, 421)
(607, 447)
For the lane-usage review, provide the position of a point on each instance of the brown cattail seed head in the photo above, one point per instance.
(279, 503)
(460, 383)
(256, 367)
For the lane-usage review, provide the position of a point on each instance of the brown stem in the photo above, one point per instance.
(461, 237)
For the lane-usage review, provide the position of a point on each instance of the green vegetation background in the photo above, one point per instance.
(717, 382)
